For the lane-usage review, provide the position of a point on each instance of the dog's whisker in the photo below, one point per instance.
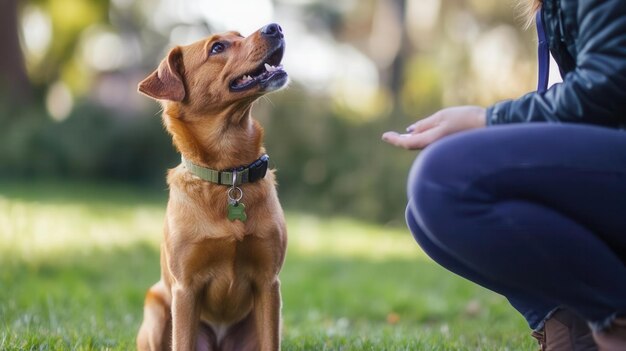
(266, 98)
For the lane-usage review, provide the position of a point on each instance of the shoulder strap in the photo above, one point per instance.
(543, 55)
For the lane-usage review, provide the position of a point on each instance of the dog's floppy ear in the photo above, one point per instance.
(166, 82)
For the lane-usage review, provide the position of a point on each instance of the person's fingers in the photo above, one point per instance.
(388, 136)
(430, 136)
(405, 141)
(423, 124)
(411, 141)
(394, 138)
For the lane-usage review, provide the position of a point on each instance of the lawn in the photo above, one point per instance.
(76, 259)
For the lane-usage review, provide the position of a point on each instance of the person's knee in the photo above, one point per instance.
(439, 187)
(433, 180)
(421, 238)
(414, 227)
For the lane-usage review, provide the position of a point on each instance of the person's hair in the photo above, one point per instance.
(528, 9)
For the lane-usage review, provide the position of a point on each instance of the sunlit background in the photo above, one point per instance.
(83, 155)
(360, 54)
(358, 68)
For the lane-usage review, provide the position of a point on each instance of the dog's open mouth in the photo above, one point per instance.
(270, 70)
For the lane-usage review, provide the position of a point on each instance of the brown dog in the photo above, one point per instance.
(224, 243)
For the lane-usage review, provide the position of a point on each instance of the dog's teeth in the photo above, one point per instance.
(271, 68)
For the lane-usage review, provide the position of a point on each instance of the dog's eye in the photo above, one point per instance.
(217, 48)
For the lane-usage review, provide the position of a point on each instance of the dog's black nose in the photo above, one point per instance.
(272, 30)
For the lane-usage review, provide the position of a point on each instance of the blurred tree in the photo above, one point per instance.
(13, 78)
(69, 20)
(415, 55)
(389, 47)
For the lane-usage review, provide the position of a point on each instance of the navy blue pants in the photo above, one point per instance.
(535, 212)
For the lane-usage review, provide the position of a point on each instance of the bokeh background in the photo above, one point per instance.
(83, 158)
(70, 69)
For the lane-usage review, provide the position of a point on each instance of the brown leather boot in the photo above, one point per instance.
(613, 338)
(565, 331)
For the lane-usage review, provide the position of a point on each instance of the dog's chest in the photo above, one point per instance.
(229, 273)
(227, 299)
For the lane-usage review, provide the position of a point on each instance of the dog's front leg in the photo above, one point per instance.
(185, 317)
(267, 315)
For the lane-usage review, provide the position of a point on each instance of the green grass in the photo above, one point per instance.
(76, 259)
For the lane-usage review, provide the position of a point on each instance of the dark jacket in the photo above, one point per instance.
(587, 38)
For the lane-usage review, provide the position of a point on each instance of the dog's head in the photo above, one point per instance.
(222, 71)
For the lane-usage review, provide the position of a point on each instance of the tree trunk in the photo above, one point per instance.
(396, 80)
(14, 82)
(389, 32)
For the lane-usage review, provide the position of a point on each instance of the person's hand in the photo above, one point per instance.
(444, 122)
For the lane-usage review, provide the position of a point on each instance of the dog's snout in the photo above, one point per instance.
(272, 30)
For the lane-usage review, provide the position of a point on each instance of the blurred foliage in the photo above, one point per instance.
(331, 164)
(89, 144)
(69, 19)
(328, 153)
(325, 163)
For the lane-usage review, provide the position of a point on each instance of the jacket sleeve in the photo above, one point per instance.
(594, 92)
